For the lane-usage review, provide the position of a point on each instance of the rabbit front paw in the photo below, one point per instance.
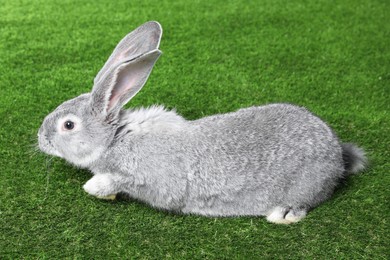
(101, 186)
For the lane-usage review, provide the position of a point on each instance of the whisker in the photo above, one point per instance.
(35, 153)
(49, 160)
(33, 147)
(32, 150)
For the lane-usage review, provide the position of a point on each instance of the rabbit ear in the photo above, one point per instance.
(120, 84)
(142, 40)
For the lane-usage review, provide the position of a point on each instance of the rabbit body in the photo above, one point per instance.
(242, 163)
(277, 160)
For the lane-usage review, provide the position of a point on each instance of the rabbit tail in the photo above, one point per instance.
(354, 158)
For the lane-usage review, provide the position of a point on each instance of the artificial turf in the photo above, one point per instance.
(331, 56)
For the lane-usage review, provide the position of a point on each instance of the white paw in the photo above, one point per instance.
(280, 215)
(277, 216)
(294, 217)
(101, 186)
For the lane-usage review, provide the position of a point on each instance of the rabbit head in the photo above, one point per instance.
(80, 129)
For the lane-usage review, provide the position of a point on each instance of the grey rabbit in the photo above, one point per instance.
(276, 160)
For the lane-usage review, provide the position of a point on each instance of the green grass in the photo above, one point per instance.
(330, 56)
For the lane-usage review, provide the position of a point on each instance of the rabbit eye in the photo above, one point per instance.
(69, 125)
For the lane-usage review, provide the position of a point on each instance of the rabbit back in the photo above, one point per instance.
(261, 157)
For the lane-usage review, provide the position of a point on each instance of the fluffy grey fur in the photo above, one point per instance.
(276, 160)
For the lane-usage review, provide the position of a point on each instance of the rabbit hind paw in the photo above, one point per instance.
(284, 215)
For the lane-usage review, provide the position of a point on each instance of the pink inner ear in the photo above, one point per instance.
(130, 78)
(113, 100)
(126, 81)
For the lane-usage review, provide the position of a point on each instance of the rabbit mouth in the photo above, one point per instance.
(47, 147)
